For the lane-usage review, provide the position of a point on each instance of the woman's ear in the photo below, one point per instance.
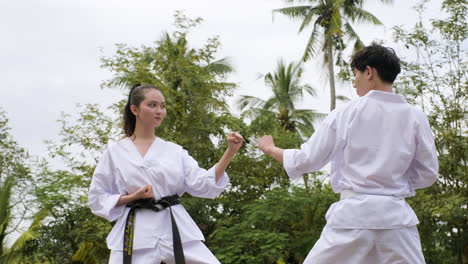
(134, 109)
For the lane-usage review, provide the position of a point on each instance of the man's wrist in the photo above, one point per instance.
(270, 150)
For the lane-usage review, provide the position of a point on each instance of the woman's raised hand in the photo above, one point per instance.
(234, 141)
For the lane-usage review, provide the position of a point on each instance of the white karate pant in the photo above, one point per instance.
(195, 252)
(383, 246)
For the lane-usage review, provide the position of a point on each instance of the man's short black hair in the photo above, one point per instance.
(383, 59)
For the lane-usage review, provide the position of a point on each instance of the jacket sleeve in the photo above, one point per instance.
(103, 194)
(200, 182)
(424, 168)
(313, 154)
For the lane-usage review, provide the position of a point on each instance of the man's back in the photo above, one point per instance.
(384, 146)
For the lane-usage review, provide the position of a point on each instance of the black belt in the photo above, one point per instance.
(151, 203)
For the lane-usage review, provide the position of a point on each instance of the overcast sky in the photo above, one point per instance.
(50, 50)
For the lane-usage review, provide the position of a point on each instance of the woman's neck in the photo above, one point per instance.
(143, 133)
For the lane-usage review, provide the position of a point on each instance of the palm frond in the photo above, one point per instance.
(14, 253)
(5, 196)
(308, 114)
(88, 253)
(249, 101)
(310, 49)
(309, 89)
(220, 67)
(256, 112)
(301, 1)
(269, 80)
(293, 11)
(305, 131)
(311, 13)
(360, 15)
(352, 35)
(343, 98)
(304, 119)
(271, 104)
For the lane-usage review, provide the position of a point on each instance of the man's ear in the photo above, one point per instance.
(370, 72)
(134, 109)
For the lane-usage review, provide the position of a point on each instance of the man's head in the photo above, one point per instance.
(375, 68)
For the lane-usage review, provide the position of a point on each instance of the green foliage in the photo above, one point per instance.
(89, 253)
(66, 233)
(14, 176)
(437, 81)
(93, 129)
(283, 224)
(16, 253)
(285, 83)
(5, 210)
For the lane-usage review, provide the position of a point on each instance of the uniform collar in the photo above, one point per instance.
(129, 146)
(385, 96)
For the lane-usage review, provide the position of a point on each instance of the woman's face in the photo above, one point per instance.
(152, 109)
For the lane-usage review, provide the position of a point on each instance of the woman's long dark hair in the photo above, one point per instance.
(135, 97)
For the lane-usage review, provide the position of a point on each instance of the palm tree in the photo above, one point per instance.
(5, 209)
(178, 56)
(287, 89)
(14, 254)
(331, 23)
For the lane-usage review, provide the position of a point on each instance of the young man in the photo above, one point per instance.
(381, 149)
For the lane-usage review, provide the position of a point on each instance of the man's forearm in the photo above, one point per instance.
(277, 154)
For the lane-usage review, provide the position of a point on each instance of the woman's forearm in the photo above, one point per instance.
(223, 163)
(124, 199)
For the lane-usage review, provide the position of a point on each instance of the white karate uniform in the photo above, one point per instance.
(381, 148)
(170, 170)
(195, 252)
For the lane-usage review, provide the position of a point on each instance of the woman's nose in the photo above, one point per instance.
(159, 110)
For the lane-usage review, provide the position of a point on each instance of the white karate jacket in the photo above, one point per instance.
(170, 170)
(378, 145)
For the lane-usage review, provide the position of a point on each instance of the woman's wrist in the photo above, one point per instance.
(131, 197)
(230, 151)
(124, 199)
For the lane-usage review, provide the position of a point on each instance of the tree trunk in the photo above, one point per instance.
(305, 177)
(331, 76)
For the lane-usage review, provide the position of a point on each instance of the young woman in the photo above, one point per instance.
(138, 180)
